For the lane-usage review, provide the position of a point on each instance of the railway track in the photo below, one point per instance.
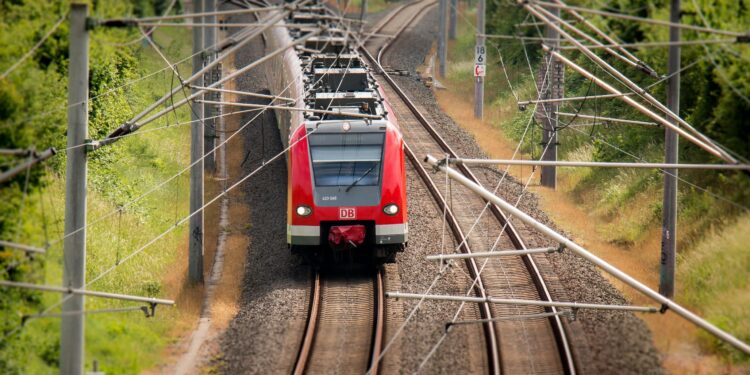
(537, 346)
(345, 325)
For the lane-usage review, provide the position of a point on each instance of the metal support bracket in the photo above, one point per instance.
(91, 145)
(561, 247)
(92, 23)
(663, 309)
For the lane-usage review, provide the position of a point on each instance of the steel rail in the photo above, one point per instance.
(595, 260)
(558, 328)
(379, 328)
(485, 310)
(305, 350)
(304, 355)
(381, 24)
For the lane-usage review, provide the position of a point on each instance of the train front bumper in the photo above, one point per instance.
(310, 235)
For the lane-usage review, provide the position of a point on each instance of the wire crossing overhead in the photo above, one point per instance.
(85, 292)
(626, 54)
(606, 119)
(641, 108)
(586, 254)
(705, 142)
(709, 30)
(228, 46)
(33, 159)
(138, 21)
(22, 247)
(138, 121)
(696, 137)
(36, 46)
(522, 302)
(733, 167)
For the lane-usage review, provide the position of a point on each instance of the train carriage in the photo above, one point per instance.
(346, 167)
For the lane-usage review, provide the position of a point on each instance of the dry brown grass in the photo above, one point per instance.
(225, 304)
(491, 139)
(189, 298)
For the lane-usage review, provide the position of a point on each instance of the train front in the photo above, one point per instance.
(347, 189)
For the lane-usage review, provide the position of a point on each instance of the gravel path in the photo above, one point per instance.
(612, 342)
(265, 334)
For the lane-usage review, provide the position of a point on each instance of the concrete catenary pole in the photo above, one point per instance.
(452, 20)
(74, 249)
(671, 140)
(195, 262)
(442, 48)
(479, 81)
(209, 40)
(550, 78)
(362, 12)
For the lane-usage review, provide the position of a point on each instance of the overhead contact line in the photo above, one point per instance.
(36, 46)
(696, 137)
(34, 158)
(741, 35)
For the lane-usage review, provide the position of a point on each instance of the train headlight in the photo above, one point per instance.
(303, 210)
(390, 209)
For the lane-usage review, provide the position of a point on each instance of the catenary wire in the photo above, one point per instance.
(36, 46)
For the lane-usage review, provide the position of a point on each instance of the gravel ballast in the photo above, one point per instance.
(617, 342)
(264, 336)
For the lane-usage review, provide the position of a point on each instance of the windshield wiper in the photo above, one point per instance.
(360, 177)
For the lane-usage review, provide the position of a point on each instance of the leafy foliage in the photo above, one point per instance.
(33, 107)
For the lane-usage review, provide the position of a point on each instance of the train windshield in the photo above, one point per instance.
(346, 159)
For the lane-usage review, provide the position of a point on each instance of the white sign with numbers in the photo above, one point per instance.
(480, 55)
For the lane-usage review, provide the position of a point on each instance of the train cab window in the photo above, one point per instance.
(346, 160)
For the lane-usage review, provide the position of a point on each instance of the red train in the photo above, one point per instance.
(346, 171)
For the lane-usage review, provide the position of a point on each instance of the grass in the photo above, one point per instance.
(715, 273)
(122, 342)
(713, 265)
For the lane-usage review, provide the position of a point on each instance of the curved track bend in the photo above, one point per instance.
(538, 346)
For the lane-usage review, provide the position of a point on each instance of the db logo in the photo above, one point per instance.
(347, 213)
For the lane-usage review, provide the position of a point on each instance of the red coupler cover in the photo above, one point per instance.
(346, 236)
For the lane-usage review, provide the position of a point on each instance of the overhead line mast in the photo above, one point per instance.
(195, 230)
(671, 149)
(72, 338)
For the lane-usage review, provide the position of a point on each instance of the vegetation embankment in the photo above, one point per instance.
(626, 204)
(33, 113)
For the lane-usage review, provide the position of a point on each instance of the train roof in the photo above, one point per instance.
(338, 84)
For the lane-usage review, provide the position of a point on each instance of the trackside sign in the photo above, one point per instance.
(480, 60)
